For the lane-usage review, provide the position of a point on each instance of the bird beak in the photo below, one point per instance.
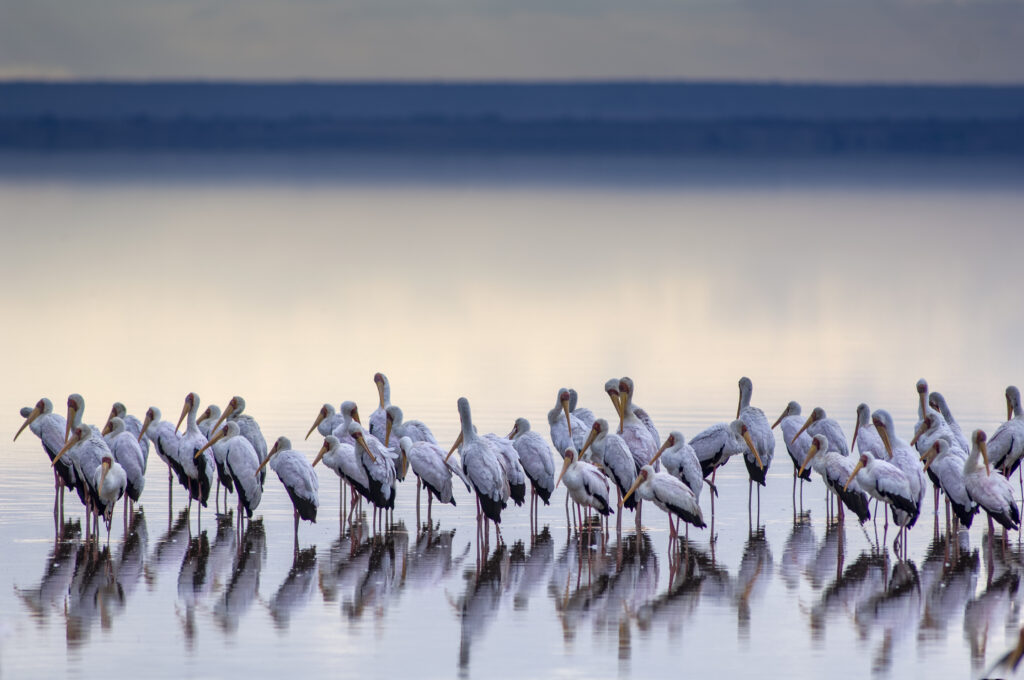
(885, 439)
(145, 426)
(323, 449)
(512, 434)
(70, 419)
(984, 454)
(566, 462)
(568, 423)
(917, 435)
(636, 483)
(753, 449)
(776, 423)
(71, 442)
(924, 404)
(660, 451)
(856, 469)
(931, 454)
(362, 442)
(387, 432)
(36, 412)
(216, 438)
(271, 455)
(223, 416)
(380, 393)
(107, 428)
(1009, 409)
(106, 469)
(856, 429)
(807, 424)
(621, 408)
(185, 408)
(319, 419)
(590, 440)
(811, 453)
(457, 444)
(355, 416)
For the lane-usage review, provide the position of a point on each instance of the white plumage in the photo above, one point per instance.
(585, 483)
(298, 478)
(243, 465)
(668, 493)
(559, 421)
(1006, 447)
(480, 463)
(535, 457)
(126, 451)
(378, 419)
(988, 488)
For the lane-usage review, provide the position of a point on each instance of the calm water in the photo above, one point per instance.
(292, 281)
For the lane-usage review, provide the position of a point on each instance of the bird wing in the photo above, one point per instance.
(296, 473)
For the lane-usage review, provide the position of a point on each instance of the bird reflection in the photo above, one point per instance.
(130, 561)
(862, 581)
(798, 551)
(61, 565)
(193, 584)
(949, 577)
(244, 584)
(895, 611)
(998, 606)
(480, 603)
(94, 594)
(383, 575)
(170, 549)
(529, 570)
(296, 590)
(430, 560)
(753, 577)
(827, 564)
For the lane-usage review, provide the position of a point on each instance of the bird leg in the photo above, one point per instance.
(418, 485)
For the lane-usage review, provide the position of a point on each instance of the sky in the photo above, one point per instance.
(933, 41)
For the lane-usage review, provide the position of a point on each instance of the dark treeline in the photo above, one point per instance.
(493, 134)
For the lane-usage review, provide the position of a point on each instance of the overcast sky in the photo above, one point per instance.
(795, 40)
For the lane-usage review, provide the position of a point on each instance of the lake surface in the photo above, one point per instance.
(291, 280)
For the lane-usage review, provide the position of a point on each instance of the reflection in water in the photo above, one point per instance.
(895, 612)
(827, 563)
(861, 581)
(430, 560)
(296, 590)
(170, 549)
(193, 584)
(798, 552)
(998, 607)
(529, 570)
(382, 577)
(949, 576)
(60, 568)
(753, 578)
(480, 603)
(244, 584)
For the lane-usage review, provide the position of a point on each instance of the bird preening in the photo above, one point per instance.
(607, 466)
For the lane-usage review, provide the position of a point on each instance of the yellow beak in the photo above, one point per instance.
(320, 454)
(856, 469)
(917, 435)
(753, 449)
(660, 451)
(387, 432)
(811, 453)
(885, 439)
(36, 412)
(71, 442)
(185, 408)
(930, 455)
(590, 440)
(636, 483)
(984, 454)
(319, 419)
(271, 455)
(856, 429)
(807, 424)
(457, 444)
(566, 462)
(362, 442)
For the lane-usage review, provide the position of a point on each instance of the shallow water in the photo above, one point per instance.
(292, 282)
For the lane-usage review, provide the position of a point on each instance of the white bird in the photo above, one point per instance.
(761, 435)
(378, 419)
(797, 445)
(566, 429)
(681, 462)
(200, 469)
(1007, 444)
(634, 431)
(299, 480)
(109, 480)
(247, 427)
(945, 464)
(930, 430)
(205, 422)
(508, 457)
(938, 402)
(670, 494)
(585, 483)
(125, 448)
(626, 391)
(611, 455)
(428, 463)
(76, 407)
(717, 444)
(885, 482)
(989, 489)
(343, 459)
(835, 469)
(870, 441)
(132, 425)
(243, 464)
(50, 428)
(165, 443)
(902, 455)
(535, 457)
(380, 468)
(326, 420)
(480, 463)
(394, 421)
(86, 449)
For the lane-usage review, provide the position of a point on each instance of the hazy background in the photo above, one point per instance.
(796, 40)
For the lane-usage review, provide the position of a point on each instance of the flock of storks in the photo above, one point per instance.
(228, 449)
